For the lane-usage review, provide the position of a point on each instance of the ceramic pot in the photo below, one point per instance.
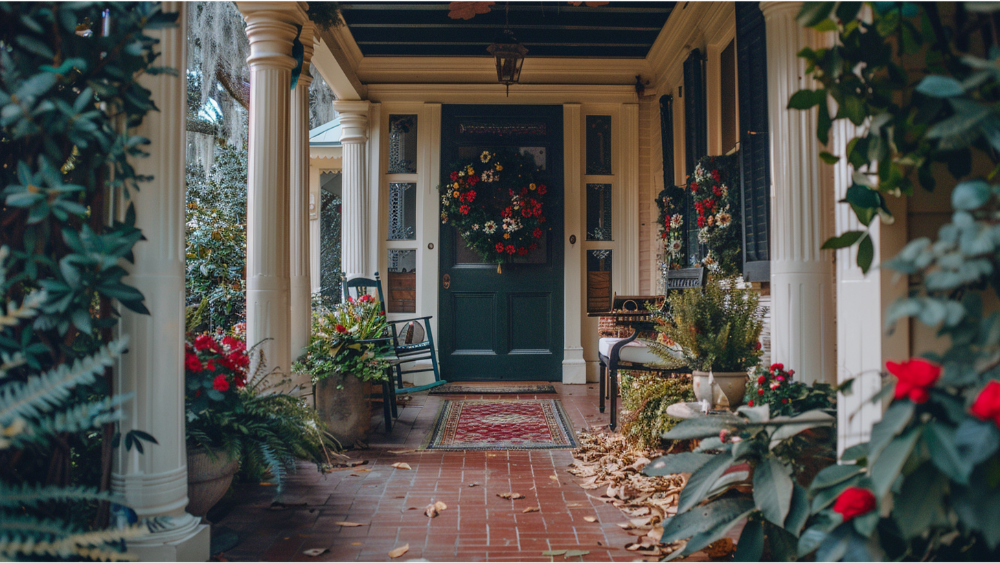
(345, 411)
(208, 478)
(732, 385)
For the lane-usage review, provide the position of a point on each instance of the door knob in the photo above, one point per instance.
(446, 281)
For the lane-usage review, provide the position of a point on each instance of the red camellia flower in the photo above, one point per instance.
(750, 403)
(232, 343)
(210, 365)
(526, 212)
(987, 405)
(204, 342)
(701, 222)
(694, 187)
(777, 367)
(340, 328)
(471, 195)
(542, 189)
(241, 381)
(473, 180)
(464, 209)
(915, 376)
(192, 363)
(454, 176)
(537, 233)
(760, 391)
(522, 251)
(853, 502)
(220, 383)
(500, 247)
(761, 380)
(511, 249)
(716, 176)
(506, 212)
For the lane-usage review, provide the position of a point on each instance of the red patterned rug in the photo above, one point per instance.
(484, 424)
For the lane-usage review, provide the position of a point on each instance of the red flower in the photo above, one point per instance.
(750, 403)
(537, 233)
(241, 381)
(784, 401)
(701, 222)
(915, 376)
(542, 189)
(698, 206)
(506, 212)
(233, 343)
(210, 365)
(464, 209)
(758, 345)
(987, 405)
(473, 180)
(694, 187)
(341, 329)
(471, 195)
(220, 383)
(500, 247)
(454, 176)
(760, 391)
(853, 502)
(192, 363)
(761, 380)
(538, 212)
(522, 251)
(350, 299)
(663, 235)
(204, 342)
(715, 176)
(777, 367)
(511, 249)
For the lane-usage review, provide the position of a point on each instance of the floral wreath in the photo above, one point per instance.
(671, 204)
(496, 205)
(714, 203)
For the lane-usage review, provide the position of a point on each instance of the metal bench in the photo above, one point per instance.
(629, 353)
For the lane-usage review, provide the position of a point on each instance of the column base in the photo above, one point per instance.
(574, 368)
(195, 546)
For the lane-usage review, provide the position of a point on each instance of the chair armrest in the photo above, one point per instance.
(386, 340)
(409, 320)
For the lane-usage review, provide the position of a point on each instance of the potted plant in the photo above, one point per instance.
(238, 425)
(717, 329)
(344, 354)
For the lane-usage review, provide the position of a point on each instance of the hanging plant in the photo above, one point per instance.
(496, 205)
(671, 204)
(717, 208)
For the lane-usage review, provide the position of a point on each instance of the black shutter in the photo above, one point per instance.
(667, 138)
(755, 160)
(696, 138)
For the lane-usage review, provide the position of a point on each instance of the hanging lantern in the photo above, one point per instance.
(509, 56)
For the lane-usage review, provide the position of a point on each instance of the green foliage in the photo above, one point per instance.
(931, 464)
(247, 416)
(778, 507)
(645, 398)
(329, 252)
(716, 327)
(775, 388)
(216, 239)
(349, 339)
(69, 99)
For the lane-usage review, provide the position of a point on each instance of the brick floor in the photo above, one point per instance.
(389, 502)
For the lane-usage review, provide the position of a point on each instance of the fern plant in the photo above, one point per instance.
(32, 411)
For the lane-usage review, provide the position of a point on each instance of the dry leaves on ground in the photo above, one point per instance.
(399, 551)
(531, 509)
(348, 524)
(401, 465)
(590, 519)
(511, 496)
(434, 509)
(316, 552)
(607, 462)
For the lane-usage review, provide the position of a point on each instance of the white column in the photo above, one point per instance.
(574, 272)
(301, 293)
(315, 226)
(271, 28)
(154, 483)
(803, 333)
(356, 216)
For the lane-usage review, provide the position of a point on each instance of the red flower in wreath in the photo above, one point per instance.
(522, 251)
(701, 222)
(500, 247)
(532, 246)
(537, 233)
(526, 212)
(220, 383)
(716, 176)
(694, 187)
(473, 180)
(511, 249)
(464, 209)
(471, 195)
(192, 363)
(506, 212)
(454, 176)
(542, 189)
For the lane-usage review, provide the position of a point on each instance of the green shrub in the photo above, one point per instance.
(645, 398)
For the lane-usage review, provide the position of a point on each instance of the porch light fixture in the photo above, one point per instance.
(509, 56)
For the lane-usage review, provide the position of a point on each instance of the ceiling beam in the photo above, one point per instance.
(337, 70)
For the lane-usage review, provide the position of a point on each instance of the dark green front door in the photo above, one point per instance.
(509, 325)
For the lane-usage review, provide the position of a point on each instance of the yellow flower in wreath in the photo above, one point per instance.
(506, 235)
(455, 193)
(532, 186)
(499, 168)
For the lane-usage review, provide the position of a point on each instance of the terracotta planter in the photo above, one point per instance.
(345, 411)
(732, 385)
(208, 478)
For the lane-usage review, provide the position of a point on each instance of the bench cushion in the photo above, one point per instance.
(636, 352)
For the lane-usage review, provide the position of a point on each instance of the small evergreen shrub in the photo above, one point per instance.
(645, 398)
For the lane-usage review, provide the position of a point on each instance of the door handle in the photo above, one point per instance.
(446, 281)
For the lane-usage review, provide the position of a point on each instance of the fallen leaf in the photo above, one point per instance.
(600, 544)
(473, 484)
(556, 552)
(401, 465)
(412, 508)
(399, 551)
(315, 552)
(347, 524)
(575, 553)
(510, 496)
(440, 506)
(531, 509)
(355, 543)
(431, 511)
(402, 496)
(590, 518)
(554, 478)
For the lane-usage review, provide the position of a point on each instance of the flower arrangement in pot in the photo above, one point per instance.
(239, 426)
(344, 353)
(717, 329)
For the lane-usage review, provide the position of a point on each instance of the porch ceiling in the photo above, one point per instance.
(620, 30)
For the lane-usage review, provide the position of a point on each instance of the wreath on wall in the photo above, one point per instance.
(717, 207)
(496, 205)
(671, 204)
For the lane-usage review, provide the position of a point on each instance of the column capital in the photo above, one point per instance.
(770, 9)
(353, 120)
(271, 28)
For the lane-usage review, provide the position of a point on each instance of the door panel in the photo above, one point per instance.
(503, 325)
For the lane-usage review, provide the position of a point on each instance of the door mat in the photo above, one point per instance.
(485, 424)
(493, 389)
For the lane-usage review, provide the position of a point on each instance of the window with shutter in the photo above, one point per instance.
(755, 161)
(696, 138)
